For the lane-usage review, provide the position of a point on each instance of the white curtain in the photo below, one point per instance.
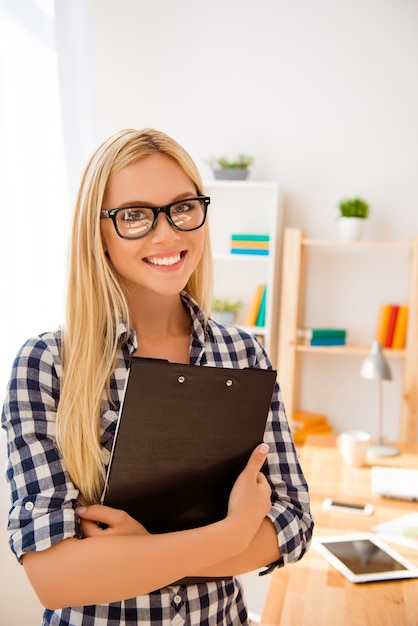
(34, 203)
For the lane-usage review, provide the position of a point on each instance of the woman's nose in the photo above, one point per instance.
(163, 229)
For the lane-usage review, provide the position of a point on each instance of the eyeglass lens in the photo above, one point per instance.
(138, 221)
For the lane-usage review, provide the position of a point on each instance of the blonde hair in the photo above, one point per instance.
(96, 304)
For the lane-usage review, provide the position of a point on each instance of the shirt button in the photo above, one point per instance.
(29, 506)
(177, 599)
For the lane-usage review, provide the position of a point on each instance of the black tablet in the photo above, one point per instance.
(364, 558)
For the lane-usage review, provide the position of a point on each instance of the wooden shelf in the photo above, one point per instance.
(293, 275)
(354, 349)
(357, 244)
(242, 258)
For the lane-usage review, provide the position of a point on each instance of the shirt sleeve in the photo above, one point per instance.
(43, 498)
(290, 512)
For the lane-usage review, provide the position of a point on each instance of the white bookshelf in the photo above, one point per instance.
(253, 207)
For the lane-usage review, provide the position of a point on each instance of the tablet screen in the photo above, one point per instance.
(363, 558)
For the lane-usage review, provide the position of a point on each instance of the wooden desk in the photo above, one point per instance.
(311, 592)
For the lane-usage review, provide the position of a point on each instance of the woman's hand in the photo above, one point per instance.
(117, 522)
(249, 501)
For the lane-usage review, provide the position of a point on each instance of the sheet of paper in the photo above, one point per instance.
(402, 530)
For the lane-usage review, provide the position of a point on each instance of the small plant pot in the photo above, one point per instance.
(351, 228)
(224, 317)
(231, 173)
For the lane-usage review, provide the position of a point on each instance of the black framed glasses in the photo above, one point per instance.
(134, 222)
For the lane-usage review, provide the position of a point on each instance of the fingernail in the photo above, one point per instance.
(81, 510)
(263, 448)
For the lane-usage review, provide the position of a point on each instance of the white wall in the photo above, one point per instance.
(324, 95)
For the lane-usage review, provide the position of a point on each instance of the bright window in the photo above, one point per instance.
(34, 205)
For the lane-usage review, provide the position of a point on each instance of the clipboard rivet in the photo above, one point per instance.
(181, 379)
(229, 383)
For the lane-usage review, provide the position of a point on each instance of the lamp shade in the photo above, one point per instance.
(375, 365)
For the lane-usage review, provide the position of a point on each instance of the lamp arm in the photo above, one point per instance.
(380, 409)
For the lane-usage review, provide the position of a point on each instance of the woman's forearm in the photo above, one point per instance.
(116, 565)
(106, 569)
(262, 551)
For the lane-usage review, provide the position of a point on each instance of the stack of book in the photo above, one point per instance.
(305, 423)
(391, 326)
(256, 315)
(250, 244)
(322, 336)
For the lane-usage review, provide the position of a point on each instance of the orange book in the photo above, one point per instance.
(237, 243)
(399, 335)
(306, 423)
(383, 323)
(252, 314)
(299, 436)
(391, 326)
(306, 419)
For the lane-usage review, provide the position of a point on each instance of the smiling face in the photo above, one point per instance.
(163, 261)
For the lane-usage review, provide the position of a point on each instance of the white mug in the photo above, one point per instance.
(353, 446)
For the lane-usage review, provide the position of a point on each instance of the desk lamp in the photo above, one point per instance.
(376, 367)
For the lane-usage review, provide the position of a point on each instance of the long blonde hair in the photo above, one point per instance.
(96, 304)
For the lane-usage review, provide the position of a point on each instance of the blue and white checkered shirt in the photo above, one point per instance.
(44, 498)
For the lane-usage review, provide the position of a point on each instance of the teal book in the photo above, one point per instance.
(261, 316)
(249, 237)
(328, 341)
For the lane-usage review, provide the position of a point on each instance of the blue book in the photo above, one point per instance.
(257, 251)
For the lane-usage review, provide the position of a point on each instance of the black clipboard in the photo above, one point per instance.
(184, 434)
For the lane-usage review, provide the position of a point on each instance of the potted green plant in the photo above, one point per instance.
(352, 218)
(225, 311)
(226, 169)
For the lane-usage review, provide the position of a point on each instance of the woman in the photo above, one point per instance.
(139, 284)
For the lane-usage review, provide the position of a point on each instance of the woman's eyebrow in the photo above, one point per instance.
(182, 196)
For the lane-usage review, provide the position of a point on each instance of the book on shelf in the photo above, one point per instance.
(383, 323)
(306, 423)
(399, 335)
(327, 341)
(249, 243)
(261, 315)
(253, 310)
(391, 325)
(307, 334)
(308, 419)
(320, 336)
(252, 245)
(249, 237)
(255, 251)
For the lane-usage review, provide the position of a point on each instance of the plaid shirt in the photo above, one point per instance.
(44, 498)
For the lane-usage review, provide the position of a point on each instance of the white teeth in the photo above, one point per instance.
(171, 260)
